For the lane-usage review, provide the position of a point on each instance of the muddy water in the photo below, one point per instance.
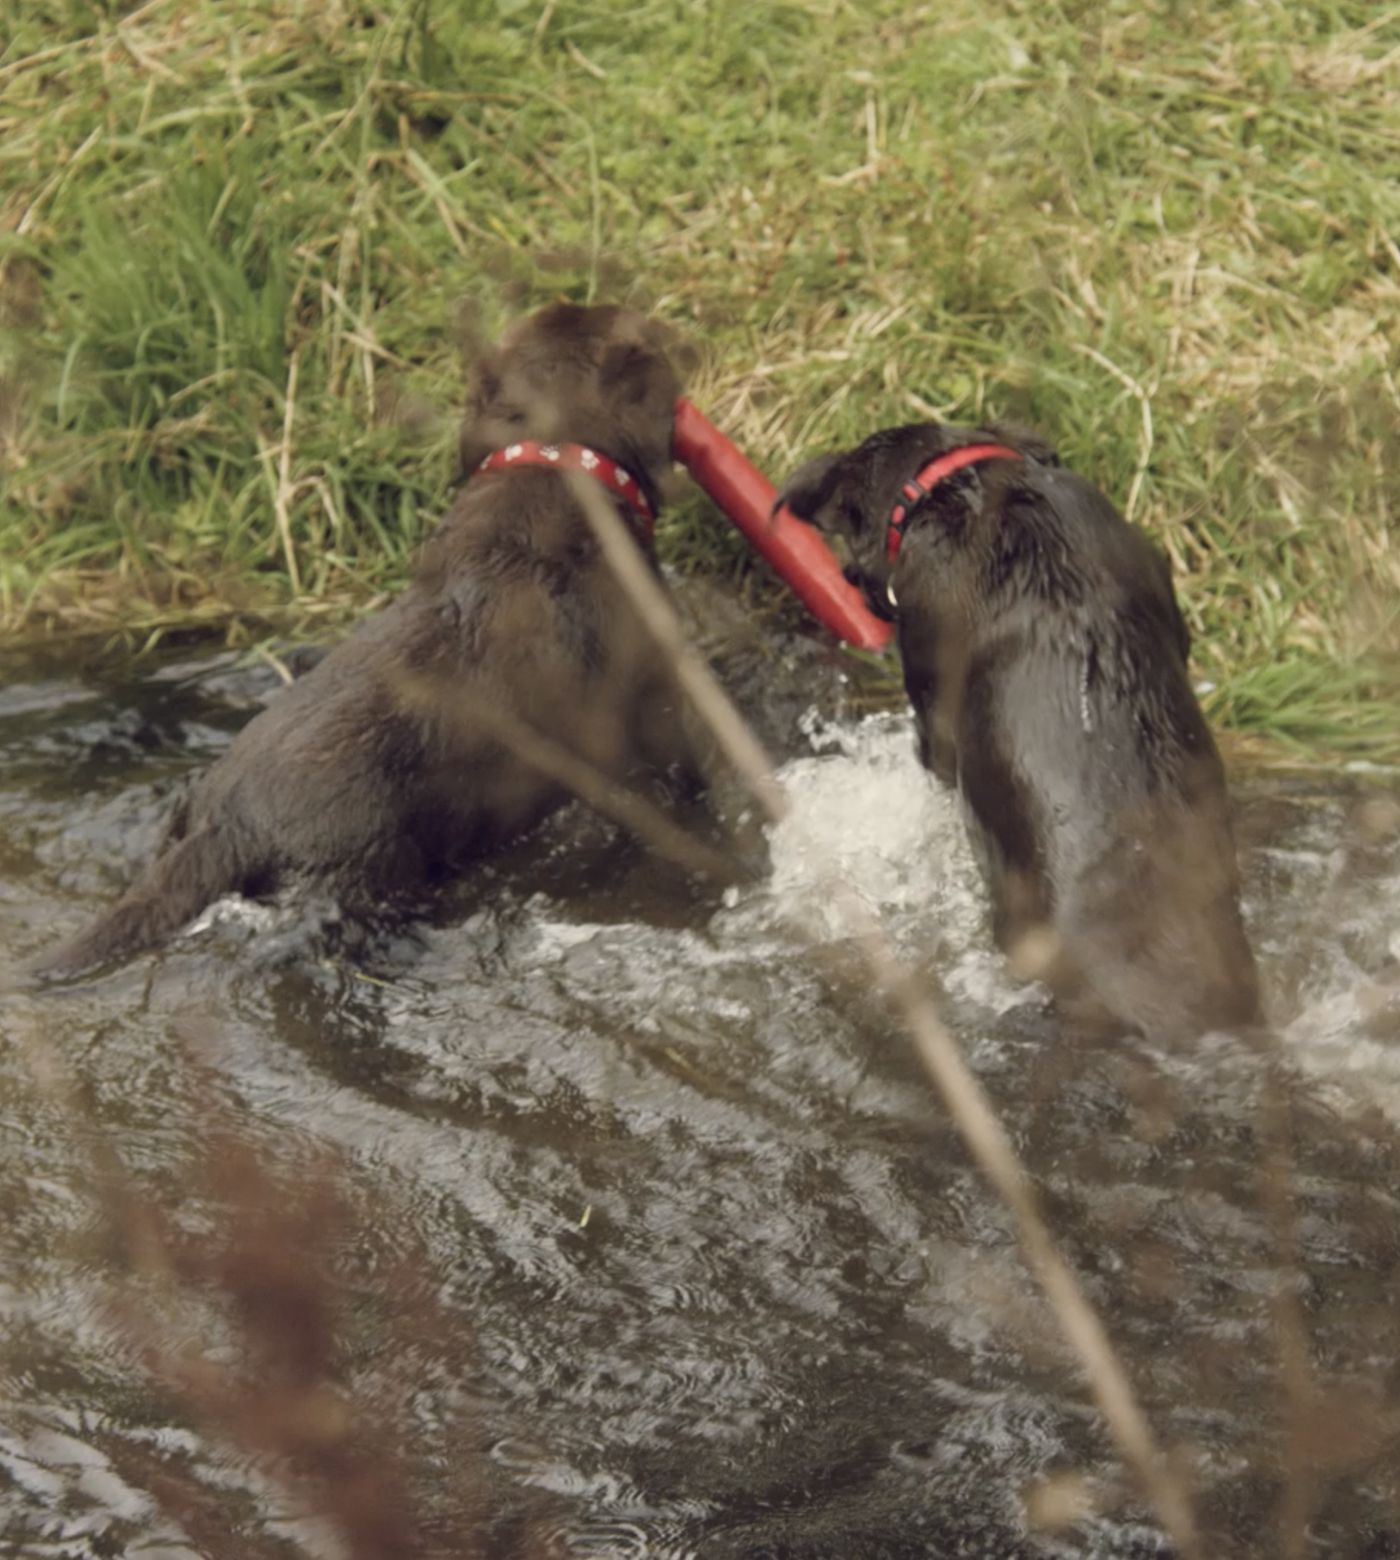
(701, 1268)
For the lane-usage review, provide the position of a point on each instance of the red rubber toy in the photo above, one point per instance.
(794, 548)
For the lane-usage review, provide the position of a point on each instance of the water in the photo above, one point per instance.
(655, 1243)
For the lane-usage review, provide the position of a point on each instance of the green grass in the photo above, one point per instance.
(1167, 232)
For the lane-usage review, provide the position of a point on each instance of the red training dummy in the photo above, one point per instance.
(794, 548)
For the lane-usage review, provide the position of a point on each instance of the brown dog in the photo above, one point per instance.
(390, 765)
(1045, 656)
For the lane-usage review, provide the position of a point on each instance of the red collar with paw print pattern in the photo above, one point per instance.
(577, 457)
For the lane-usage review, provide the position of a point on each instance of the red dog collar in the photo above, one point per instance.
(576, 457)
(928, 477)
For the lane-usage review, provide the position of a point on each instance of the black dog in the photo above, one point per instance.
(394, 762)
(1045, 657)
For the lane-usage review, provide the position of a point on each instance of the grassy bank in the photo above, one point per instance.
(243, 244)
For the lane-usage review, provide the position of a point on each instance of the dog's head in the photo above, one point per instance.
(850, 495)
(595, 376)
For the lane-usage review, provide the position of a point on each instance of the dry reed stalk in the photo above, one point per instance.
(967, 1103)
(282, 495)
(283, 1400)
(1301, 1397)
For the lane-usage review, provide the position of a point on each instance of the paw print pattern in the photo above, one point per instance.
(576, 457)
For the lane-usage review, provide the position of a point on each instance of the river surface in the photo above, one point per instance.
(651, 1239)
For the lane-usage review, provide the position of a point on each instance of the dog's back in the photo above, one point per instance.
(1083, 754)
(399, 758)
(1046, 661)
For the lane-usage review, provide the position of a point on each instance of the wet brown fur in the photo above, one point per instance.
(371, 777)
(1046, 660)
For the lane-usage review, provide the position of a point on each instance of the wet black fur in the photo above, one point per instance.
(372, 776)
(1045, 657)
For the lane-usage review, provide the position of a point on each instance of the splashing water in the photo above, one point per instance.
(712, 1274)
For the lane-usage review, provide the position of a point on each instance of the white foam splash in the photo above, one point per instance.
(1330, 1043)
(1327, 1041)
(866, 810)
(865, 806)
(1345, 1032)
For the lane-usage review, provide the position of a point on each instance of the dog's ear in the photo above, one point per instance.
(1176, 617)
(470, 332)
(1029, 443)
(484, 388)
(809, 490)
(635, 372)
(685, 355)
